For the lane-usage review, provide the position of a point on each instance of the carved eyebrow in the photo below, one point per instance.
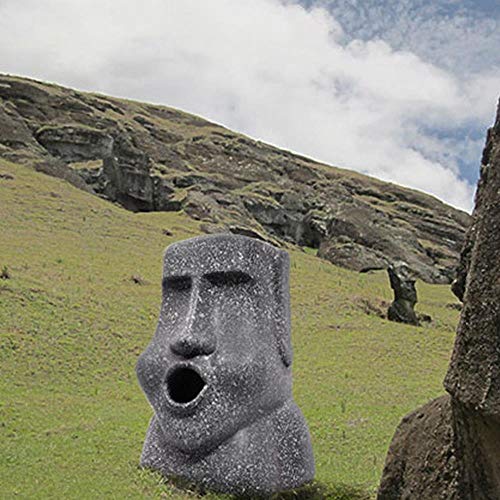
(228, 278)
(177, 282)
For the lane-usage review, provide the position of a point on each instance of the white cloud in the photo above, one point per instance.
(270, 69)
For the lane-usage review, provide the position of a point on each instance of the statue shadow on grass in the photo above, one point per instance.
(310, 491)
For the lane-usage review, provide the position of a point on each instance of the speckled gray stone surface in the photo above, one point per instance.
(218, 370)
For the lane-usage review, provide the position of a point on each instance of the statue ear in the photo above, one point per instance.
(281, 285)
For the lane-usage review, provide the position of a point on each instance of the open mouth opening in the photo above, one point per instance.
(184, 385)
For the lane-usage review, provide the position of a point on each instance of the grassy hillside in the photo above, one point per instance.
(155, 158)
(72, 323)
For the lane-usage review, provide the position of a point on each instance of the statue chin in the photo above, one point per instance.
(213, 418)
(271, 454)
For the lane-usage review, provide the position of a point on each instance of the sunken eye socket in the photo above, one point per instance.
(219, 279)
(228, 278)
(178, 283)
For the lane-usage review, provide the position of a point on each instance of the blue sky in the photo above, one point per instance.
(401, 90)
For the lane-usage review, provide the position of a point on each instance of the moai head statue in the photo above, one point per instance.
(217, 372)
(402, 281)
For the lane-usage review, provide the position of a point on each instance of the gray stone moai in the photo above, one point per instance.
(218, 370)
(405, 294)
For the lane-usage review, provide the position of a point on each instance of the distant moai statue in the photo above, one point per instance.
(218, 370)
(405, 294)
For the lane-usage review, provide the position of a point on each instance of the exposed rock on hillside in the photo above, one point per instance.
(155, 158)
(450, 448)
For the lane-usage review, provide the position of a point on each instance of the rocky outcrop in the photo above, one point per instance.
(474, 374)
(149, 157)
(458, 284)
(450, 448)
(75, 142)
(402, 282)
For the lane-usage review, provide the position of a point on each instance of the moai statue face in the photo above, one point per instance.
(402, 282)
(220, 358)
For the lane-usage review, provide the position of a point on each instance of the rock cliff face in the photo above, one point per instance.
(450, 448)
(149, 157)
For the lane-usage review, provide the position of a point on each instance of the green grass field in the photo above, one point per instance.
(73, 322)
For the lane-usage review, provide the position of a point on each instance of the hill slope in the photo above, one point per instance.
(153, 158)
(73, 322)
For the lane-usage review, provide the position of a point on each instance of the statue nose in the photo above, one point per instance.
(196, 337)
(189, 345)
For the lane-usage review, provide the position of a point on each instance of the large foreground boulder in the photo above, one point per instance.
(450, 448)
